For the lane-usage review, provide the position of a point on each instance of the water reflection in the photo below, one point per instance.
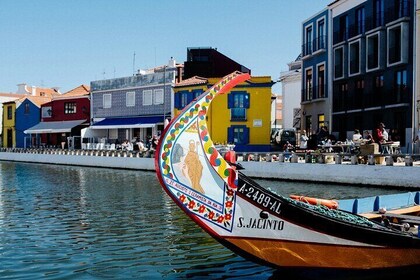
(72, 222)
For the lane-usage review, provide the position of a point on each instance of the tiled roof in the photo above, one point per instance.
(46, 92)
(196, 80)
(11, 95)
(37, 100)
(78, 91)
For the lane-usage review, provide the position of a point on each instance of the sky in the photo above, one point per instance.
(66, 43)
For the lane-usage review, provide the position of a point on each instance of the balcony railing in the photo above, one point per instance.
(238, 114)
(319, 43)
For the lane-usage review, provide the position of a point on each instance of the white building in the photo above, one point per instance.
(291, 85)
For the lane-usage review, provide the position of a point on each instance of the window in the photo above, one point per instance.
(158, 96)
(46, 112)
(394, 44)
(360, 20)
(401, 8)
(354, 58)
(338, 63)
(308, 40)
(308, 84)
(358, 95)
(106, 102)
(321, 35)
(401, 85)
(321, 81)
(9, 112)
(238, 134)
(372, 52)
(184, 99)
(130, 99)
(344, 25)
(147, 97)
(26, 108)
(321, 120)
(378, 13)
(238, 102)
(70, 108)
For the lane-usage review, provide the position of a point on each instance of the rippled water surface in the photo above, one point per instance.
(61, 222)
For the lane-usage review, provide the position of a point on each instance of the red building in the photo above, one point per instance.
(63, 118)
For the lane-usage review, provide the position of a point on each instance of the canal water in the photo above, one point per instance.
(62, 222)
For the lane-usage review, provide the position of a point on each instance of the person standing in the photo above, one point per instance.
(303, 140)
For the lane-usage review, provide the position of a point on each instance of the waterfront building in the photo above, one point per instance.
(373, 68)
(291, 87)
(315, 98)
(134, 106)
(241, 117)
(277, 111)
(9, 131)
(62, 119)
(6, 97)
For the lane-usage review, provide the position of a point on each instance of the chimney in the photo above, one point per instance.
(33, 90)
(22, 89)
(171, 62)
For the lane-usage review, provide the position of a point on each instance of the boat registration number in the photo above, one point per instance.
(259, 197)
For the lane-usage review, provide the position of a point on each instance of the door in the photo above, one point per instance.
(10, 138)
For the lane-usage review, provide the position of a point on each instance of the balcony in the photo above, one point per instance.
(238, 114)
(320, 43)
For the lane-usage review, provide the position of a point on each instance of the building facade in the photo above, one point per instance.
(62, 119)
(9, 131)
(315, 97)
(131, 107)
(372, 53)
(28, 114)
(291, 89)
(241, 117)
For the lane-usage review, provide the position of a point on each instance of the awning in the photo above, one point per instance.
(53, 127)
(135, 122)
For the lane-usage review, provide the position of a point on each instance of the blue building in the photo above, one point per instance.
(372, 52)
(28, 114)
(315, 98)
(131, 107)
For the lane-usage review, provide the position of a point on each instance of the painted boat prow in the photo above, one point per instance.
(258, 224)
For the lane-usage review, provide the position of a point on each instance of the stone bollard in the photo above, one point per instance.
(281, 157)
(294, 158)
(338, 159)
(371, 160)
(389, 161)
(320, 159)
(408, 161)
(354, 160)
(308, 159)
(268, 158)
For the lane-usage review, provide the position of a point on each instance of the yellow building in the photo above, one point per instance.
(241, 117)
(9, 130)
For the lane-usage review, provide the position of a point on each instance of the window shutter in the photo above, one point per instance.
(177, 101)
(230, 100)
(230, 135)
(246, 135)
(246, 101)
(190, 97)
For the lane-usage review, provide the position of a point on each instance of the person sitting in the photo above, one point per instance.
(357, 137)
(368, 139)
(142, 147)
(126, 145)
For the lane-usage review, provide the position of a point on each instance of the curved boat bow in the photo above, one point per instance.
(257, 224)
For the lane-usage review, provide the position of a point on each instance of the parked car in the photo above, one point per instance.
(281, 136)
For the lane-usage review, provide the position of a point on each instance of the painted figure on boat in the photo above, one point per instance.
(194, 166)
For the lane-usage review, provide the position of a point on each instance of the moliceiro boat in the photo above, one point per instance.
(257, 224)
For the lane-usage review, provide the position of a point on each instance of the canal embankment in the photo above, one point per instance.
(399, 174)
